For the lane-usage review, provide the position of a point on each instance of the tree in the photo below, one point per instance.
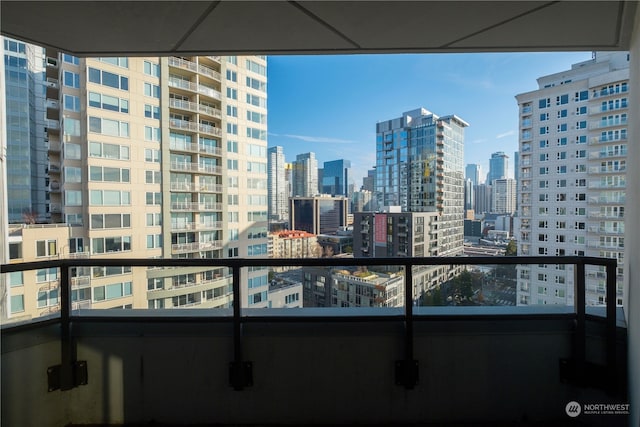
(512, 249)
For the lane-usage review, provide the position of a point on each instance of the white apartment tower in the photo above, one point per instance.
(573, 145)
(504, 196)
(159, 158)
(277, 184)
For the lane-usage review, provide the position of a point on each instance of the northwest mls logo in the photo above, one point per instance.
(573, 409)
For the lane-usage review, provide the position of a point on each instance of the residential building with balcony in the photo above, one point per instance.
(158, 158)
(504, 196)
(573, 148)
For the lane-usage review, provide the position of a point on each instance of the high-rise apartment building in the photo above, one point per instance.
(278, 195)
(305, 175)
(498, 167)
(335, 177)
(159, 157)
(504, 196)
(483, 199)
(419, 167)
(573, 145)
(26, 75)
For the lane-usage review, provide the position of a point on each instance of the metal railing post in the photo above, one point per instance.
(407, 373)
(581, 330)
(611, 355)
(240, 372)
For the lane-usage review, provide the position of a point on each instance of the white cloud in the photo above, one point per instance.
(478, 141)
(505, 134)
(308, 138)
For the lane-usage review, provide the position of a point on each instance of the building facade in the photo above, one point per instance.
(27, 72)
(305, 175)
(335, 177)
(318, 215)
(498, 167)
(472, 172)
(504, 196)
(278, 196)
(419, 167)
(573, 145)
(159, 157)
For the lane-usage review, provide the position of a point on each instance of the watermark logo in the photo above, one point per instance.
(573, 409)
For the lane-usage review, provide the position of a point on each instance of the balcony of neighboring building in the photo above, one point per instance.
(194, 107)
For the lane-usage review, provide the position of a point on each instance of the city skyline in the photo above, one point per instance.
(304, 114)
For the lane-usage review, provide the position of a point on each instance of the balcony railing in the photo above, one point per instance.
(194, 167)
(574, 368)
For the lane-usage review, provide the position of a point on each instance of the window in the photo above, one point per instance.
(543, 197)
(561, 211)
(561, 169)
(542, 224)
(579, 226)
(560, 238)
(562, 113)
(232, 128)
(72, 174)
(256, 167)
(232, 76)
(119, 61)
(232, 164)
(232, 199)
(151, 69)
(116, 290)
(232, 252)
(544, 157)
(70, 59)
(256, 101)
(16, 279)
(108, 126)
(151, 111)
(107, 102)
(233, 217)
(70, 79)
(542, 277)
(544, 143)
(581, 168)
(71, 103)
(544, 171)
(544, 117)
(256, 84)
(256, 250)
(542, 290)
(154, 241)
(106, 78)
(151, 155)
(154, 219)
(152, 177)
(48, 298)
(562, 99)
(562, 127)
(232, 60)
(153, 198)
(102, 245)
(108, 151)
(256, 68)
(544, 184)
(544, 130)
(581, 197)
(73, 198)
(544, 103)
(100, 221)
(151, 90)
(257, 133)
(15, 250)
(561, 155)
(232, 146)
(560, 252)
(561, 225)
(232, 111)
(255, 117)
(543, 210)
(152, 133)
(72, 151)
(71, 126)
(155, 284)
(109, 198)
(542, 251)
(107, 174)
(17, 303)
(46, 248)
(542, 238)
(232, 93)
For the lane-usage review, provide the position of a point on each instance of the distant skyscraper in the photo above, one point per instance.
(469, 199)
(472, 172)
(305, 175)
(277, 185)
(504, 196)
(498, 167)
(368, 182)
(27, 183)
(419, 167)
(573, 142)
(335, 178)
(482, 199)
(318, 215)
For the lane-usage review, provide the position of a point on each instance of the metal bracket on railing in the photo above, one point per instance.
(577, 370)
(71, 372)
(407, 370)
(240, 371)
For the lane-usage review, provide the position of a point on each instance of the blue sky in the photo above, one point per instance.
(331, 104)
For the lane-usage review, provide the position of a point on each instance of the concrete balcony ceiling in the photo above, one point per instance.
(89, 28)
